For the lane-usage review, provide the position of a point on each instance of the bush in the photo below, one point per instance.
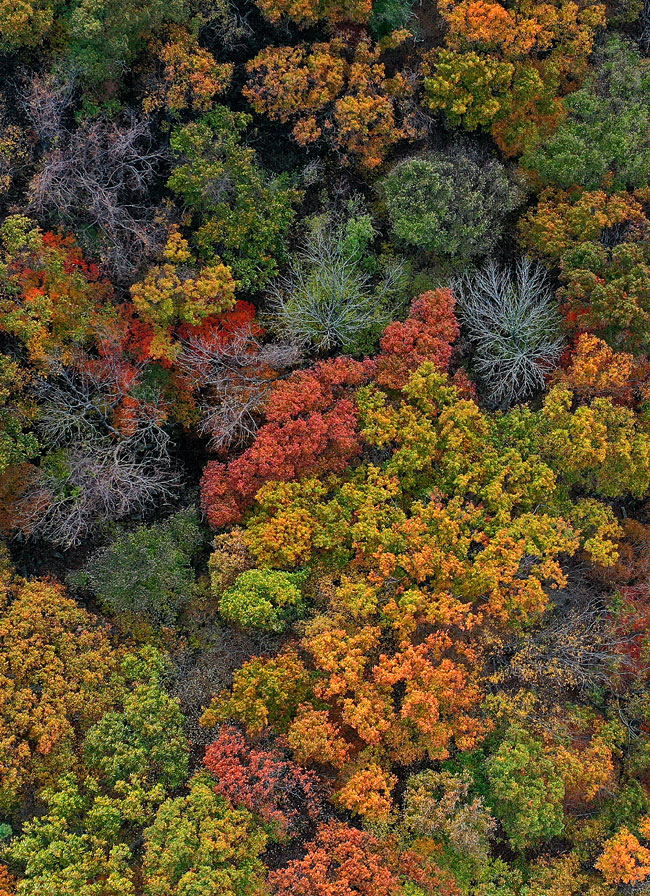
(513, 323)
(148, 571)
(604, 139)
(449, 204)
(265, 599)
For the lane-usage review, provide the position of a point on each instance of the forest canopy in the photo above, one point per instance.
(324, 448)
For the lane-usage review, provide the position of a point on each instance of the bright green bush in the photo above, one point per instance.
(265, 599)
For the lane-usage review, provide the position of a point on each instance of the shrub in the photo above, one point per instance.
(147, 571)
(263, 598)
(513, 324)
(449, 204)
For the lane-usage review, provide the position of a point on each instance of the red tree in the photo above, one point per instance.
(427, 334)
(264, 781)
(312, 427)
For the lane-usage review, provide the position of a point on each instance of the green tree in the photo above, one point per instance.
(243, 214)
(148, 571)
(604, 139)
(526, 790)
(449, 204)
(105, 36)
(142, 740)
(199, 845)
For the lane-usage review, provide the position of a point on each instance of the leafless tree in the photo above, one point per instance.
(47, 99)
(98, 176)
(233, 378)
(514, 325)
(327, 300)
(78, 405)
(94, 472)
(92, 485)
(580, 649)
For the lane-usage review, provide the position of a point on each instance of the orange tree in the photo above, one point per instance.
(505, 66)
(331, 91)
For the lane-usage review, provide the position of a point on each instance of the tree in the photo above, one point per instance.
(514, 327)
(311, 425)
(265, 599)
(427, 334)
(140, 742)
(624, 859)
(148, 571)
(98, 177)
(284, 796)
(599, 239)
(341, 860)
(108, 450)
(190, 79)
(449, 204)
(441, 805)
(25, 24)
(200, 844)
(56, 665)
(50, 297)
(133, 756)
(306, 13)
(242, 213)
(75, 846)
(507, 66)
(526, 790)
(232, 372)
(329, 299)
(353, 105)
(604, 139)
(106, 35)
(177, 293)
(265, 692)
(17, 444)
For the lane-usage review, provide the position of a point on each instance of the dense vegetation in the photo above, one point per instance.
(324, 448)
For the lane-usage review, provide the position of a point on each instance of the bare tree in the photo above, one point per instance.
(233, 378)
(94, 484)
(47, 99)
(95, 472)
(327, 300)
(79, 405)
(99, 176)
(514, 325)
(579, 649)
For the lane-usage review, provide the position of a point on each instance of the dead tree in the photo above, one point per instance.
(98, 177)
